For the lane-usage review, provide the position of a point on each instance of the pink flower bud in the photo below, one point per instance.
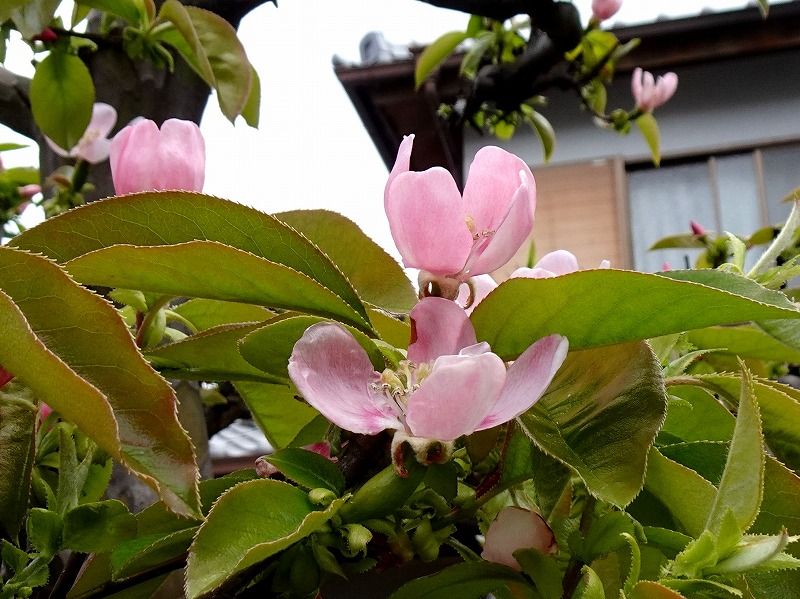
(28, 191)
(605, 9)
(650, 93)
(144, 158)
(46, 35)
(697, 228)
(513, 529)
(5, 376)
(44, 411)
(666, 267)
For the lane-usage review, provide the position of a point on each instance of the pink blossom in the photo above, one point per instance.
(446, 234)
(697, 228)
(514, 529)
(553, 264)
(605, 9)
(144, 158)
(650, 93)
(94, 145)
(451, 385)
(5, 376)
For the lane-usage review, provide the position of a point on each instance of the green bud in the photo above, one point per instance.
(383, 494)
(322, 496)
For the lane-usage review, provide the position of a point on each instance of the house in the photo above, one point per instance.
(730, 137)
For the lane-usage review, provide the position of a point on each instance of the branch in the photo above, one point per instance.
(15, 105)
(499, 10)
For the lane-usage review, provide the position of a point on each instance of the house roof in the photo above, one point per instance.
(384, 96)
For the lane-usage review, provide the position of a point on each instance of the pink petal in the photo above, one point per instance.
(401, 164)
(427, 221)
(482, 285)
(104, 117)
(96, 151)
(527, 380)
(517, 528)
(492, 185)
(333, 373)
(439, 327)
(134, 158)
(511, 233)
(665, 88)
(531, 273)
(57, 149)
(559, 262)
(636, 85)
(183, 156)
(455, 396)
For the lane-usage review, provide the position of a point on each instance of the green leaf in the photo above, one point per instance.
(205, 314)
(210, 46)
(701, 588)
(745, 341)
(647, 589)
(753, 551)
(697, 417)
(146, 553)
(679, 241)
(180, 270)
(62, 95)
(604, 307)
(687, 495)
(473, 57)
(248, 524)
(270, 345)
(606, 535)
(183, 216)
(737, 249)
(600, 417)
(96, 378)
(433, 55)
(308, 469)
(779, 508)
(212, 355)
(277, 410)
(44, 530)
(125, 9)
(468, 580)
(707, 458)
(18, 416)
(589, 586)
(98, 527)
(374, 274)
(252, 108)
(545, 132)
(543, 570)
(648, 127)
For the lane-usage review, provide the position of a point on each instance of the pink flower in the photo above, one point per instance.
(553, 264)
(5, 376)
(144, 158)
(28, 191)
(94, 145)
(451, 385)
(446, 234)
(517, 528)
(605, 9)
(697, 228)
(651, 93)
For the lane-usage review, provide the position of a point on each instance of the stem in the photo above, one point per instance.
(100, 40)
(784, 239)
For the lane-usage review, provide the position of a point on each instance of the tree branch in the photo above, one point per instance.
(15, 106)
(499, 10)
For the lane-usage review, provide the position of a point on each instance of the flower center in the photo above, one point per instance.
(397, 386)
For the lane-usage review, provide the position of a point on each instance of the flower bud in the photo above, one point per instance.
(517, 528)
(697, 228)
(321, 496)
(144, 158)
(605, 9)
(5, 376)
(650, 93)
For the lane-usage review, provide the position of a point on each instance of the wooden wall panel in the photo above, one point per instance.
(581, 208)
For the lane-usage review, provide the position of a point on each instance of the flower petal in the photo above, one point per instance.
(401, 164)
(559, 262)
(439, 327)
(511, 232)
(134, 159)
(517, 528)
(455, 396)
(183, 156)
(427, 221)
(527, 380)
(333, 373)
(531, 273)
(104, 117)
(482, 285)
(491, 187)
(95, 151)
(56, 148)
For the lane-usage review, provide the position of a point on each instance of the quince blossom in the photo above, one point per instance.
(144, 158)
(94, 146)
(514, 529)
(650, 93)
(445, 234)
(451, 385)
(605, 9)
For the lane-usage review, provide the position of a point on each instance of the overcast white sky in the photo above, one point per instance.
(311, 150)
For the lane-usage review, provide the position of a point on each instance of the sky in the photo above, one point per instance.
(311, 150)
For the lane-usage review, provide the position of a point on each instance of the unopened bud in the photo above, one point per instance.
(46, 35)
(358, 537)
(323, 497)
(697, 228)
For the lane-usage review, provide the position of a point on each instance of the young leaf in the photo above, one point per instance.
(248, 524)
(44, 530)
(604, 307)
(468, 580)
(647, 589)
(98, 527)
(277, 411)
(746, 341)
(18, 416)
(543, 570)
(433, 55)
(125, 9)
(752, 552)
(62, 95)
(742, 483)
(590, 586)
(205, 313)
(648, 126)
(600, 417)
(308, 469)
(545, 132)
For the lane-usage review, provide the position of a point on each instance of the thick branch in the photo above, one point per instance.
(15, 107)
(499, 10)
